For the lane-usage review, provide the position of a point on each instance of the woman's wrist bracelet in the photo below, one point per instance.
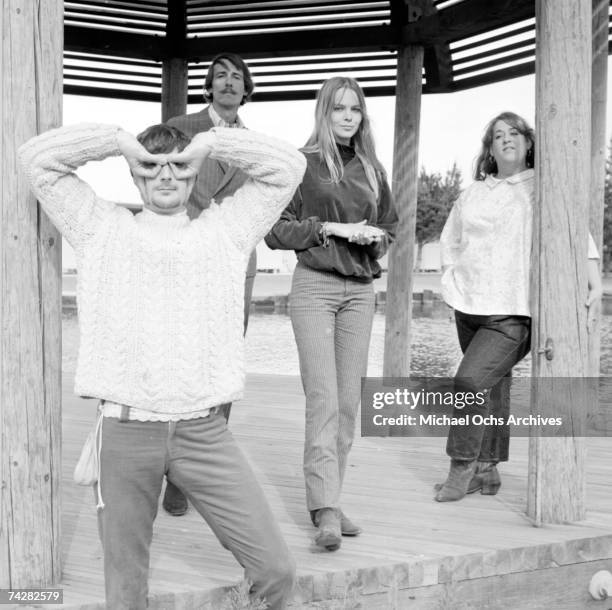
(324, 233)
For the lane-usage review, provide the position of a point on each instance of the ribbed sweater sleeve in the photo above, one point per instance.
(275, 168)
(49, 162)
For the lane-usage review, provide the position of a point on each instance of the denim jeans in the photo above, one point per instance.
(203, 460)
(332, 321)
(491, 346)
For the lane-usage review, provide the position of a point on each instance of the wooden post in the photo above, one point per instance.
(30, 288)
(174, 66)
(174, 88)
(556, 491)
(405, 186)
(599, 86)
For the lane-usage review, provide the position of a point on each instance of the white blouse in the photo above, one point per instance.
(486, 247)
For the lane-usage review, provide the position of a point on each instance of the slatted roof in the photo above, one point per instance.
(115, 48)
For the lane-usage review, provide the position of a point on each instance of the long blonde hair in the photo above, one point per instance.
(322, 139)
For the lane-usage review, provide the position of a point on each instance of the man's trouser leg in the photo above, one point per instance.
(131, 473)
(207, 465)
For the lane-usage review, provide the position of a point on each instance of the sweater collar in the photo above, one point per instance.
(174, 221)
(491, 181)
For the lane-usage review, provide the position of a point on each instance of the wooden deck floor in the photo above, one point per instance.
(408, 540)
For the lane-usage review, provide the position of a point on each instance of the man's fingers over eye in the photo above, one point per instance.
(183, 170)
(179, 157)
(180, 166)
(147, 157)
(146, 169)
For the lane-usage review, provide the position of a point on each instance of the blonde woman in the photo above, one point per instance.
(340, 222)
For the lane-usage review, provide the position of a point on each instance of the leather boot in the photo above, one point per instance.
(175, 502)
(486, 480)
(456, 485)
(327, 521)
(347, 527)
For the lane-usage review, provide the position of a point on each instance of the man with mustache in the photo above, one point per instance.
(227, 86)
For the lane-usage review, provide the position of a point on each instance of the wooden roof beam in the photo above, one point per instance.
(296, 43)
(176, 27)
(468, 18)
(438, 68)
(453, 23)
(281, 44)
(117, 43)
(494, 76)
(437, 59)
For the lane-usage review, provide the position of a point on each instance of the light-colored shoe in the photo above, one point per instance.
(347, 527)
(329, 536)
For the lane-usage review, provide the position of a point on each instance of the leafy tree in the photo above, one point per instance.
(436, 195)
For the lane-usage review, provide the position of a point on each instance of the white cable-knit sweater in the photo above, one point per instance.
(160, 298)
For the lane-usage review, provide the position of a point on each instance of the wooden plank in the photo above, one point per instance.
(122, 44)
(487, 40)
(494, 76)
(405, 186)
(495, 51)
(208, 10)
(559, 253)
(49, 59)
(30, 284)
(599, 91)
(466, 19)
(564, 588)
(408, 539)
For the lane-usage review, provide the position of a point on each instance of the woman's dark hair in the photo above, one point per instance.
(485, 162)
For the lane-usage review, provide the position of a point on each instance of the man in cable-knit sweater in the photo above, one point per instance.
(160, 302)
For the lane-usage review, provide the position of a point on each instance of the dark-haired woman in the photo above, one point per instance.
(486, 245)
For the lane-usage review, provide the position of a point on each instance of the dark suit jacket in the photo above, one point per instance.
(215, 180)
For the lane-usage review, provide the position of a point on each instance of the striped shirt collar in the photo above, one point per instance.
(219, 122)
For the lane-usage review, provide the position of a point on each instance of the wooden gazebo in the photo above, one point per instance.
(121, 49)
(157, 50)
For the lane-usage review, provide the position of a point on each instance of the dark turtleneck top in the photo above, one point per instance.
(352, 199)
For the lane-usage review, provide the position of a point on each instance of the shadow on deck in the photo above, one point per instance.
(481, 552)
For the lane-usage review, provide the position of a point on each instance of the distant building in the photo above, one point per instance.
(430, 257)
